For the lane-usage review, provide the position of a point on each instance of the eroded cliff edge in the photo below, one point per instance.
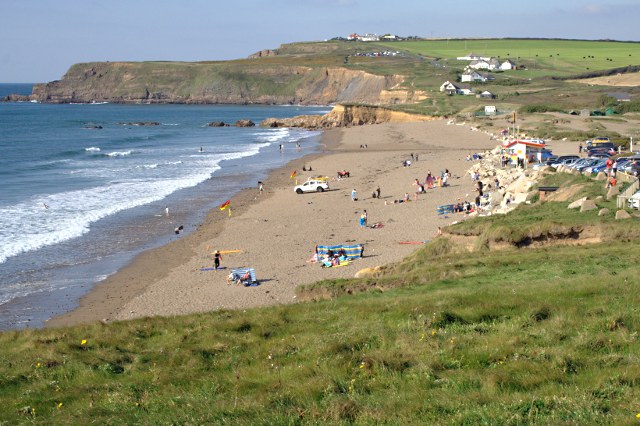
(221, 83)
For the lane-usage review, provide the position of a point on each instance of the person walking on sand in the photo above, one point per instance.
(366, 217)
(353, 195)
(363, 220)
(260, 186)
(217, 257)
(378, 192)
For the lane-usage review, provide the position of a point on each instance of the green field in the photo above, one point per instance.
(518, 336)
(541, 57)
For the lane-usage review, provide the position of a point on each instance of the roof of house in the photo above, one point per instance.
(534, 143)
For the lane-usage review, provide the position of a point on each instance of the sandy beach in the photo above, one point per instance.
(278, 230)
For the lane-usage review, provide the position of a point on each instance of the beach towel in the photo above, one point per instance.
(446, 208)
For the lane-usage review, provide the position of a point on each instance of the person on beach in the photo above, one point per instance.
(363, 220)
(217, 257)
(429, 180)
(378, 191)
(353, 195)
(366, 217)
(166, 211)
(445, 177)
(260, 187)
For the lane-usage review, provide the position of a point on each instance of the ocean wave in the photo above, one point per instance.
(92, 149)
(118, 153)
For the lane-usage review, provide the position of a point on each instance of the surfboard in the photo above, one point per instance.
(227, 251)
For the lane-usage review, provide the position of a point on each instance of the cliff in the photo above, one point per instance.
(346, 116)
(234, 82)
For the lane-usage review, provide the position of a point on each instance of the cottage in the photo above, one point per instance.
(475, 76)
(507, 65)
(487, 94)
(479, 64)
(456, 89)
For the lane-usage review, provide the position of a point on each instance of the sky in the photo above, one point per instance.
(41, 39)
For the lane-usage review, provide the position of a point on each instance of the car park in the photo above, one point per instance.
(312, 185)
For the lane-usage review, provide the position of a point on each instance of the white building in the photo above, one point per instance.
(475, 76)
(507, 65)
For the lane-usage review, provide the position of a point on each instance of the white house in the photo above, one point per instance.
(476, 76)
(479, 64)
(449, 88)
(369, 37)
(507, 65)
(456, 89)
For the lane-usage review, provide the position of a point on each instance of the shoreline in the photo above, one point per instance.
(278, 230)
(106, 297)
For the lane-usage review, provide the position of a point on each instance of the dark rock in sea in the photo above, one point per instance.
(245, 123)
(92, 126)
(16, 98)
(218, 124)
(141, 123)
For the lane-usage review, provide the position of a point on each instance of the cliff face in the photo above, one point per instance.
(346, 116)
(219, 83)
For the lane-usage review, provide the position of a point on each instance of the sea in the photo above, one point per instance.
(84, 188)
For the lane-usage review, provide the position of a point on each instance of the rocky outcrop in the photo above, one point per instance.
(245, 123)
(346, 116)
(263, 53)
(217, 124)
(252, 81)
(16, 98)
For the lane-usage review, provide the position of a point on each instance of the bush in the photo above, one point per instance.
(540, 108)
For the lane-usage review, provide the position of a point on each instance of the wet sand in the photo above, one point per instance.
(277, 231)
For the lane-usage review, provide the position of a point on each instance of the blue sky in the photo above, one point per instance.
(40, 39)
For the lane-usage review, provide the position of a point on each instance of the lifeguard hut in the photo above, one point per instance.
(524, 149)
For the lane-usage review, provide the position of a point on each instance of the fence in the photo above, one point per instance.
(627, 193)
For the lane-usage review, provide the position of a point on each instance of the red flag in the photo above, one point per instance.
(295, 172)
(225, 205)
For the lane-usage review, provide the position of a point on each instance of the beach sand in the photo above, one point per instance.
(278, 230)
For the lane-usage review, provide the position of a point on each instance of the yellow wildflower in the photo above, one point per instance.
(84, 342)
(59, 405)
(38, 365)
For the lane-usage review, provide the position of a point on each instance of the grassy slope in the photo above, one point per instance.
(546, 336)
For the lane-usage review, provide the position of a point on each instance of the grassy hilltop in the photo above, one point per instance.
(338, 71)
(517, 336)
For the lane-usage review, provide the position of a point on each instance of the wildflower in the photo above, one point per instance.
(83, 342)
(433, 332)
(362, 364)
(59, 405)
(38, 365)
(638, 416)
(422, 336)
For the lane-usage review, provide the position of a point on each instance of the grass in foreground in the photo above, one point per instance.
(544, 336)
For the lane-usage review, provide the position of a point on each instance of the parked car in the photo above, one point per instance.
(598, 165)
(564, 162)
(312, 185)
(584, 163)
